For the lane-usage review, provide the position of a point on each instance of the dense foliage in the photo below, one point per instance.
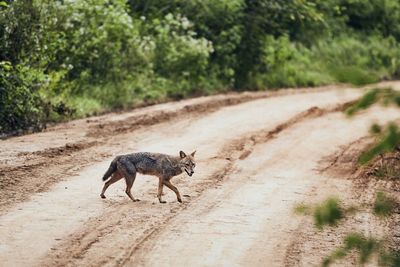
(62, 58)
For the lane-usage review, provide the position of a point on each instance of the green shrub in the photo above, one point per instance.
(179, 55)
(102, 41)
(373, 16)
(365, 247)
(388, 140)
(344, 59)
(353, 74)
(389, 258)
(388, 170)
(383, 205)
(21, 106)
(384, 96)
(328, 213)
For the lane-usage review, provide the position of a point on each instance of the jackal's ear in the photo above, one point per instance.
(182, 154)
(194, 152)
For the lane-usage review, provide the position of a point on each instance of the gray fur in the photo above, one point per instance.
(161, 165)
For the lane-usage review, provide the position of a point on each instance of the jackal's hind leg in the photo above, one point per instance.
(116, 176)
(129, 183)
(129, 171)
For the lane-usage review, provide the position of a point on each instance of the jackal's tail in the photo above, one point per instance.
(111, 169)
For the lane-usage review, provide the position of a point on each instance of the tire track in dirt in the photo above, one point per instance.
(141, 120)
(78, 245)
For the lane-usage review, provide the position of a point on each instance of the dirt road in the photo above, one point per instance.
(258, 154)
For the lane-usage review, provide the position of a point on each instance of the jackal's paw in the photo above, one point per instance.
(102, 196)
(163, 201)
(136, 200)
(179, 200)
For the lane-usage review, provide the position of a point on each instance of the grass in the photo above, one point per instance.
(354, 75)
(383, 205)
(364, 102)
(389, 169)
(354, 241)
(328, 213)
(302, 209)
(387, 172)
(389, 258)
(365, 247)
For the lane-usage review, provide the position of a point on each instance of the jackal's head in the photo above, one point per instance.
(187, 162)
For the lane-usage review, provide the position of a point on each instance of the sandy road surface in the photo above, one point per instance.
(256, 158)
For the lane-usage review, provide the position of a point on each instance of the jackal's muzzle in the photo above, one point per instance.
(189, 173)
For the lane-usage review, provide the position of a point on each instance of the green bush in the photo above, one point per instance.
(328, 213)
(21, 106)
(359, 60)
(179, 55)
(383, 205)
(388, 140)
(354, 241)
(343, 59)
(102, 41)
(389, 258)
(373, 16)
(365, 248)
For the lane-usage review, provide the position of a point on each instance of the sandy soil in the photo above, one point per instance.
(258, 154)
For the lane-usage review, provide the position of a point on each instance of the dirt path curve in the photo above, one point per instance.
(255, 159)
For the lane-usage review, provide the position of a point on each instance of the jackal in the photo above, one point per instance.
(163, 166)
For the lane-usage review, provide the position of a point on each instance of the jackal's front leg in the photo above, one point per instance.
(173, 188)
(160, 189)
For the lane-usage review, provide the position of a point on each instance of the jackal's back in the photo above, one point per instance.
(154, 163)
